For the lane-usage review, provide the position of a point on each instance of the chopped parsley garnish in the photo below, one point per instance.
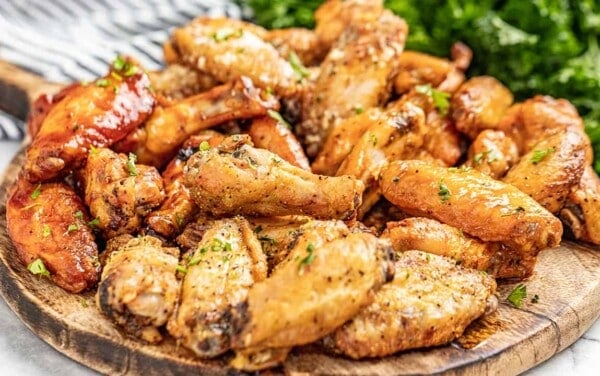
(125, 67)
(102, 82)
(46, 231)
(443, 192)
(373, 139)
(308, 259)
(78, 214)
(37, 267)
(72, 227)
(224, 34)
(359, 110)
(517, 295)
(36, 192)
(277, 116)
(181, 269)
(119, 63)
(131, 164)
(93, 149)
(94, 222)
(84, 303)
(204, 146)
(539, 155)
(299, 68)
(440, 98)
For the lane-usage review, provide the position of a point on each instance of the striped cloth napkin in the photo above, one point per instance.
(71, 40)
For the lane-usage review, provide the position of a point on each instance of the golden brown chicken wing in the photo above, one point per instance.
(354, 76)
(48, 225)
(492, 153)
(120, 192)
(274, 134)
(42, 106)
(318, 297)
(236, 178)
(178, 81)
(229, 49)
(552, 167)
(139, 289)
(475, 203)
(582, 210)
(430, 302)
(479, 104)
(305, 43)
(225, 264)
(97, 114)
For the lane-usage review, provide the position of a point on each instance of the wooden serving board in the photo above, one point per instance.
(510, 341)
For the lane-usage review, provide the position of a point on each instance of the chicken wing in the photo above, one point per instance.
(318, 297)
(582, 210)
(97, 114)
(229, 49)
(479, 104)
(179, 209)
(549, 171)
(178, 81)
(225, 264)
(305, 43)
(168, 127)
(475, 203)
(42, 106)
(492, 153)
(119, 192)
(48, 222)
(430, 302)
(139, 289)
(354, 76)
(268, 132)
(236, 178)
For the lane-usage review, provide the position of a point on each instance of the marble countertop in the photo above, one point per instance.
(23, 353)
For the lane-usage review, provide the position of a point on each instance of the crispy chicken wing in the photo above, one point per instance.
(168, 127)
(552, 167)
(270, 133)
(479, 104)
(178, 209)
(178, 81)
(42, 106)
(318, 297)
(582, 210)
(138, 289)
(305, 43)
(492, 153)
(236, 178)
(97, 114)
(354, 76)
(229, 49)
(430, 302)
(119, 192)
(475, 203)
(49, 222)
(225, 264)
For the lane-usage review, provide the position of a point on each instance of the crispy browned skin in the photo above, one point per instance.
(39, 228)
(178, 81)
(430, 302)
(479, 104)
(228, 49)
(138, 289)
(179, 209)
(303, 42)
(417, 68)
(354, 76)
(269, 133)
(492, 153)
(549, 178)
(118, 194)
(318, 297)
(477, 204)
(42, 106)
(582, 210)
(225, 264)
(168, 127)
(236, 178)
(98, 114)
(533, 120)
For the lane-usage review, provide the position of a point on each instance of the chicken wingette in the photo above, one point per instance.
(236, 178)
(492, 153)
(226, 263)
(430, 302)
(139, 288)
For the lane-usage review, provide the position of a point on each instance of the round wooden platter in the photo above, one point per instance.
(510, 341)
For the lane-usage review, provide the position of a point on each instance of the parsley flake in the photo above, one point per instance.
(440, 98)
(36, 192)
(539, 155)
(131, 164)
(299, 68)
(94, 222)
(102, 82)
(517, 295)
(373, 139)
(359, 110)
(308, 259)
(78, 214)
(46, 231)
(443, 192)
(72, 227)
(225, 34)
(37, 267)
(277, 116)
(119, 63)
(181, 269)
(204, 146)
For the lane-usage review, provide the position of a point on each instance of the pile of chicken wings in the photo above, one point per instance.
(274, 188)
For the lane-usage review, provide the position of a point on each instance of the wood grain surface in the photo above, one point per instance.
(510, 341)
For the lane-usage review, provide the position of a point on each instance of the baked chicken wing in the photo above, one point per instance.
(582, 209)
(492, 153)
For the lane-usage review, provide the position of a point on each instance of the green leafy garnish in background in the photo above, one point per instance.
(533, 46)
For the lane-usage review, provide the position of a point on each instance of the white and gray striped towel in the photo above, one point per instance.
(69, 40)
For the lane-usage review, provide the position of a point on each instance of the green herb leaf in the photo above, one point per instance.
(36, 192)
(443, 192)
(46, 231)
(517, 295)
(102, 82)
(277, 116)
(308, 259)
(539, 155)
(441, 99)
(78, 214)
(359, 110)
(225, 34)
(204, 146)
(37, 267)
(373, 139)
(84, 303)
(72, 227)
(299, 68)
(131, 164)
(119, 63)
(181, 269)
(94, 222)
